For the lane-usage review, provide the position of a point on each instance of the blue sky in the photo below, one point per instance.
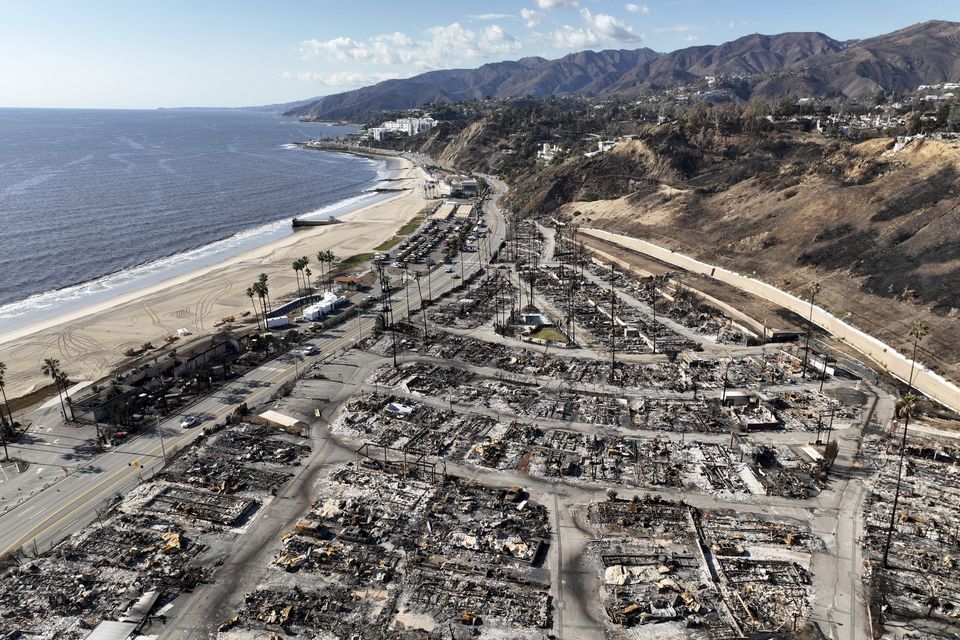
(132, 54)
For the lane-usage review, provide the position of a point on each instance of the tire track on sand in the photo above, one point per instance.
(209, 299)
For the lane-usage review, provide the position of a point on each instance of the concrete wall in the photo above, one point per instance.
(930, 383)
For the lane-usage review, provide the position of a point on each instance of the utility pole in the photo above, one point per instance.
(406, 287)
(723, 394)
(387, 311)
(653, 305)
(613, 335)
(423, 309)
(823, 374)
(163, 449)
(814, 290)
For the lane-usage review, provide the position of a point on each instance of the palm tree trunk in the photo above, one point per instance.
(7, 405)
(63, 407)
(256, 314)
(896, 493)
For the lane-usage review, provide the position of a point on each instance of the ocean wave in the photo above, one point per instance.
(140, 276)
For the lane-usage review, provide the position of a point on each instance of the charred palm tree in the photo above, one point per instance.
(918, 331)
(905, 410)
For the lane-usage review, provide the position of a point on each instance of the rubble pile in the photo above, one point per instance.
(490, 296)
(666, 564)
(591, 305)
(408, 552)
(150, 545)
(524, 243)
(676, 302)
(921, 580)
(683, 375)
(736, 470)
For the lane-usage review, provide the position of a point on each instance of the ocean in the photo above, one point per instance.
(94, 203)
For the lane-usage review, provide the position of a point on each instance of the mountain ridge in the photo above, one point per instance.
(803, 63)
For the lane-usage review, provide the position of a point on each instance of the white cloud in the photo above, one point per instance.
(341, 80)
(489, 16)
(530, 17)
(689, 38)
(609, 27)
(567, 37)
(640, 9)
(443, 46)
(557, 4)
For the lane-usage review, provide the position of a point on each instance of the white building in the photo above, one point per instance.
(327, 304)
(403, 126)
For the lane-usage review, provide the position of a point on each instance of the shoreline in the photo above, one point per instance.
(74, 298)
(199, 297)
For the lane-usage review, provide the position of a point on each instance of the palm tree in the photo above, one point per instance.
(331, 259)
(304, 261)
(905, 410)
(814, 290)
(322, 259)
(51, 367)
(260, 289)
(265, 288)
(918, 331)
(62, 380)
(3, 392)
(296, 271)
(309, 274)
(250, 294)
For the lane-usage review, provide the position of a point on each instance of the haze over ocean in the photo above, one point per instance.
(88, 193)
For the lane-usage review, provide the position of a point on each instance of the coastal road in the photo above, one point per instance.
(72, 503)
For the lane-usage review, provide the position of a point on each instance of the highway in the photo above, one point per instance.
(73, 502)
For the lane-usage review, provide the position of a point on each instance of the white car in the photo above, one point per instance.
(449, 270)
(309, 350)
(189, 421)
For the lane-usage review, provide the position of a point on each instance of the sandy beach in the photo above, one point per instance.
(90, 342)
